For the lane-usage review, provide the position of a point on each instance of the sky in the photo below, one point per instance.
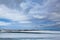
(30, 14)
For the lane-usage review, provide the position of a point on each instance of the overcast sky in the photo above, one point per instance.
(30, 14)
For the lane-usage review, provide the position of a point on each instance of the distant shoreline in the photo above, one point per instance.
(28, 31)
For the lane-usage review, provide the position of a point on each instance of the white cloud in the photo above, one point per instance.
(14, 15)
(37, 11)
(42, 11)
(39, 17)
(4, 23)
(24, 5)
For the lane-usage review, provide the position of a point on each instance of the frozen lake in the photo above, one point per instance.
(29, 36)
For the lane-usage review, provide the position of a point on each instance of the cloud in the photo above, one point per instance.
(54, 16)
(38, 16)
(31, 12)
(50, 11)
(14, 15)
(52, 8)
(16, 18)
(4, 23)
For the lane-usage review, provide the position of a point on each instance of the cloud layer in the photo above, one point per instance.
(33, 14)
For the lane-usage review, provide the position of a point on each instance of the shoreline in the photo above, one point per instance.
(29, 31)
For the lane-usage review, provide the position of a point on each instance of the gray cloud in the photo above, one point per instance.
(42, 10)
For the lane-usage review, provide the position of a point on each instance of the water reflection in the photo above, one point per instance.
(21, 39)
(29, 36)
